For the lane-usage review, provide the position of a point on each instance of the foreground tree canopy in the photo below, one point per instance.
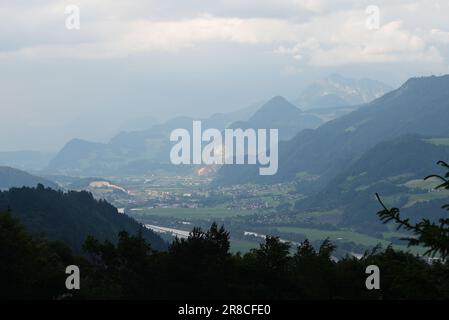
(201, 267)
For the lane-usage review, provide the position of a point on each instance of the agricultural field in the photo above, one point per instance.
(438, 141)
(190, 213)
(334, 235)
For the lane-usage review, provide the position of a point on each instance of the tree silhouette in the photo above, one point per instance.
(434, 236)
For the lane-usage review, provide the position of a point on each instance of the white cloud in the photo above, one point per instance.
(440, 36)
(142, 36)
(325, 33)
(346, 40)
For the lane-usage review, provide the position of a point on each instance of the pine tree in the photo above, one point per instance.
(434, 236)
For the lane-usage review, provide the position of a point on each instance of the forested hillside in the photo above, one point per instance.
(70, 217)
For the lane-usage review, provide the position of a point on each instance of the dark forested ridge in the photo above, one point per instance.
(10, 178)
(70, 216)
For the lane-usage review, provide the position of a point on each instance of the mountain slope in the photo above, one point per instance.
(395, 169)
(70, 216)
(10, 178)
(420, 106)
(75, 155)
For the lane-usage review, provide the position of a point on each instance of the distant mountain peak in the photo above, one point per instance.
(279, 113)
(278, 99)
(76, 141)
(338, 91)
(276, 107)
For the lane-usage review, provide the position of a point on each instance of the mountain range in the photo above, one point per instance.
(138, 152)
(419, 106)
(142, 145)
(338, 91)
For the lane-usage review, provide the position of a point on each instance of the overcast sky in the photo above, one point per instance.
(138, 58)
